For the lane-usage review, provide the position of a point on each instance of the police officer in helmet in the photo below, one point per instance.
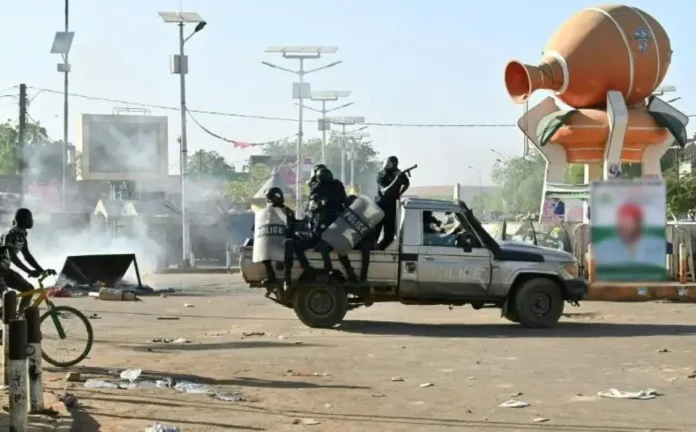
(391, 185)
(317, 222)
(332, 190)
(276, 199)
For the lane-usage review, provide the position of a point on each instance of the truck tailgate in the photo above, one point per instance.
(384, 266)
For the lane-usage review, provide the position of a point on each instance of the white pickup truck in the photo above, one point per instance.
(442, 255)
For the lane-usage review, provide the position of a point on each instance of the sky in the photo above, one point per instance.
(405, 61)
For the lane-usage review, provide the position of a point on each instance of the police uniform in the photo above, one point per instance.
(387, 200)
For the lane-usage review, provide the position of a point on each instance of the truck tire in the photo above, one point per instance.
(539, 303)
(511, 314)
(320, 306)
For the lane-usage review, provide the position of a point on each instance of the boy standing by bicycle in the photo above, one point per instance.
(14, 242)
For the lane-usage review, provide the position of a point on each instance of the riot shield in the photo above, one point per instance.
(353, 224)
(270, 225)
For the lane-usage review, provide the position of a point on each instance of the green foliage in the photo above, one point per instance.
(239, 192)
(521, 180)
(367, 163)
(681, 193)
(211, 164)
(42, 157)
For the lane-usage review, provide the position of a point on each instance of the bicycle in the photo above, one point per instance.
(58, 313)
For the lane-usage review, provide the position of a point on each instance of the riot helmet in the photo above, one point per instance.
(317, 167)
(275, 197)
(392, 163)
(324, 176)
(316, 202)
(351, 199)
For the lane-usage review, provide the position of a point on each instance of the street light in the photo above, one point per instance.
(343, 122)
(62, 42)
(483, 206)
(323, 97)
(353, 136)
(179, 66)
(301, 91)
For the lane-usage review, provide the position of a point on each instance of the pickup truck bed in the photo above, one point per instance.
(384, 267)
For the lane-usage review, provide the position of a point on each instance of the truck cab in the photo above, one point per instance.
(442, 255)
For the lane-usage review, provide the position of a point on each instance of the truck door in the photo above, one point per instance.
(445, 268)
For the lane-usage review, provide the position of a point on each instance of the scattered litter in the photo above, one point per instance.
(618, 394)
(514, 404)
(116, 294)
(57, 292)
(424, 385)
(73, 377)
(163, 295)
(161, 340)
(68, 399)
(540, 420)
(168, 318)
(194, 388)
(306, 422)
(692, 375)
(397, 379)
(324, 374)
(247, 334)
(297, 343)
(99, 384)
(181, 341)
(157, 427)
(188, 305)
(327, 405)
(227, 397)
(94, 317)
(131, 374)
(663, 350)
(471, 378)
(281, 337)
(378, 395)
(516, 394)
(93, 294)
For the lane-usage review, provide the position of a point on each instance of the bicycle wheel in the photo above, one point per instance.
(68, 318)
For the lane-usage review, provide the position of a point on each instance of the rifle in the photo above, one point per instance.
(407, 171)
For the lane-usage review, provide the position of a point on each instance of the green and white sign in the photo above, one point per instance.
(628, 229)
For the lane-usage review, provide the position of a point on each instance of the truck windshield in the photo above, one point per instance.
(467, 219)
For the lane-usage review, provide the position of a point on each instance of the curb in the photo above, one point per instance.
(204, 270)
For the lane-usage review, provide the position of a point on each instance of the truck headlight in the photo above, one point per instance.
(570, 268)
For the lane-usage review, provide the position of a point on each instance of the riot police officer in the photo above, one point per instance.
(316, 219)
(332, 190)
(276, 199)
(391, 185)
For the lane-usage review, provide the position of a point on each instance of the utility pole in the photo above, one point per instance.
(21, 138)
(66, 81)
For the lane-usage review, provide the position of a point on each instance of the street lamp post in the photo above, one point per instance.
(179, 66)
(343, 122)
(301, 91)
(483, 206)
(323, 97)
(62, 42)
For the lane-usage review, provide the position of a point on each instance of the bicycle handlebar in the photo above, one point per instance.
(44, 274)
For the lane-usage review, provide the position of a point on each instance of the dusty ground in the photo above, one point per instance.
(474, 360)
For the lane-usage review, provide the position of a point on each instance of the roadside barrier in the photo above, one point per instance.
(17, 370)
(9, 311)
(33, 350)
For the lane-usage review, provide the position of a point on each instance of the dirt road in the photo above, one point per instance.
(370, 374)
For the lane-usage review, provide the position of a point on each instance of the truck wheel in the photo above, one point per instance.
(320, 306)
(511, 314)
(538, 303)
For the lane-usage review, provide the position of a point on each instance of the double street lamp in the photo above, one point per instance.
(343, 122)
(179, 66)
(300, 91)
(324, 124)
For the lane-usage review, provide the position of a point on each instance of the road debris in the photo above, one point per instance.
(306, 422)
(73, 377)
(378, 395)
(663, 350)
(181, 341)
(99, 384)
(514, 404)
(540, 420)
(188, 305)
(157, 427)
(168, 318)
(516, 394)
(131, 374)
(618, 394)
(397, 379)
(256, 333)
(424, 385)
(68, 399)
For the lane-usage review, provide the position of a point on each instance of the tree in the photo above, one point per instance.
(42, 157)
(209, 164)
(367, 163)
(239, 192)
(521, 180)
